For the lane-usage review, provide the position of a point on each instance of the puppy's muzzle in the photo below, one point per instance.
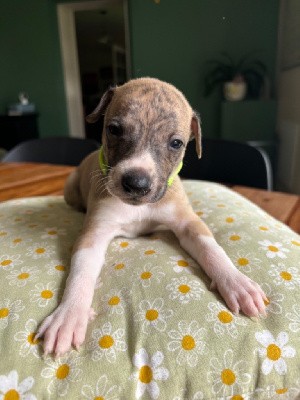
(136, 182)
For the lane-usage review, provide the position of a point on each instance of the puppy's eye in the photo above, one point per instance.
(176, 144)
(114, 129)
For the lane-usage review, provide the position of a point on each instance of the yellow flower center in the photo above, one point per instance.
(151, 315)
(228, 377)
(149, 252)
(60, 267)
(5, 263)
(188, 342)
(52, 232)
(99, 398)
(18, 240)
(184, 289)
(225, 317)
(12, 394)
(40, 250)
(146, 275)
(182, 263)
(273, 248)
(2, 233)
(199, 213)
(273, 352)
(145, 374)
(229, 220)
(263, 228)
(114, 301)
(281, 391)
(286, 275)
(124, 245)
(105, 342)
(31, 339)
(46, 294)
(295, 243)
(119, 266)
(235, 238)
(63, 371)
(237, 397)
(267, 301)
(221, 205)
(243, 262)
(4, 312)
(23, 275)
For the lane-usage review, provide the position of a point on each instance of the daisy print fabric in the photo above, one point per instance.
(159, 331)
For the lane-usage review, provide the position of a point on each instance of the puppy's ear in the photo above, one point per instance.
(101, 107)
(196, 133)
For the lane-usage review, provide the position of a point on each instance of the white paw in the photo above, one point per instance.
(241, 294)
(65, 327)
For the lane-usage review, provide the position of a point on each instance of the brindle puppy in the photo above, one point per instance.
(147, 126)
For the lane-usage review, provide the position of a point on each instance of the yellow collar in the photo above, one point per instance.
(103, 166)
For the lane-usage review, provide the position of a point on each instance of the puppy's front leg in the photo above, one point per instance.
(67, 325)
(238, 291)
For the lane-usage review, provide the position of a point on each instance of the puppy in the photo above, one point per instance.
(147, 126)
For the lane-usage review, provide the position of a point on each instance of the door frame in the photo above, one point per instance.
(70, 62)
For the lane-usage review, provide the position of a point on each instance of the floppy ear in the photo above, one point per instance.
(101, 107)
(196, 132)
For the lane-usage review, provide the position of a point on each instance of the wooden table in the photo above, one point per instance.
(32, 179)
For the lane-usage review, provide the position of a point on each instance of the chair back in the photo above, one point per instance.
(229, 162)
(54, 150)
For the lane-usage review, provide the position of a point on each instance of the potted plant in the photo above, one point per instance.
(239, 78)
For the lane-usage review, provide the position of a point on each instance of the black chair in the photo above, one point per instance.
(54, 150)
(229, 162)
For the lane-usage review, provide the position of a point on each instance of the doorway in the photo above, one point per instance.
(95, 52)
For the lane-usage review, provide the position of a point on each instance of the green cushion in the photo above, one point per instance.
(160, 333)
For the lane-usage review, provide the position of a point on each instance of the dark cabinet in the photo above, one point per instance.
(16, 129)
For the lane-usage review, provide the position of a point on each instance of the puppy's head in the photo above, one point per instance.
(147, 126)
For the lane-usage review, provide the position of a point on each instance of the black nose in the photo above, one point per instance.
(136, 182)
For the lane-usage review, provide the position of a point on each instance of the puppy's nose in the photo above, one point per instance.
(136, 182)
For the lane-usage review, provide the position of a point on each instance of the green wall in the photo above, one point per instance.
(30, 61)
(170, 41)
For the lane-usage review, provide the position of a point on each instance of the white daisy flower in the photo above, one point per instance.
(102, 390)
(273, 299)
(187, 342)
(43, 294)
(224, 320)
(11, 389)
(204, 213)
(181, 264)
(263, 228)
(212, 226)
(295, 318)
(274, 351)
(281, 393)
(114, 301)
(287, 277)
(148, 274)
(273, 249)
(57, 267)
(230, 220)
(40, 250)
(184, 289)
(107, 343)
(122, 245)
(21, 276)
(10, 261)
(9, 311)
(228, 376)
(294, 242)
(62, 372)
(245, 262)
(17, 241)
(53, 233)
(29, 343)
(119, 267)
(235, 238)
(153, 315)
(149, 372)
(149, 252)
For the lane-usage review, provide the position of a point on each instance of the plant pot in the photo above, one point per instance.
(235, 91)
